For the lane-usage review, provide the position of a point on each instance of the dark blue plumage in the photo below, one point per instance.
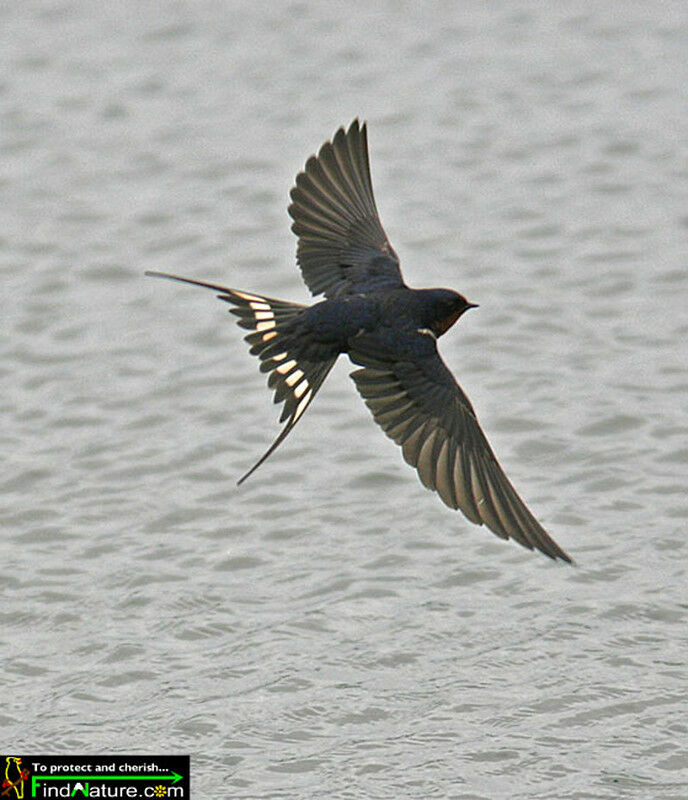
(389, 330)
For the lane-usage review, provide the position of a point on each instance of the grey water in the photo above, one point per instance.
(329, 628)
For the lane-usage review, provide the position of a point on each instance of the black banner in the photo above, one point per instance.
(26, 776)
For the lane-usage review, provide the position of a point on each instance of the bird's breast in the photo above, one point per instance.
(442, 325)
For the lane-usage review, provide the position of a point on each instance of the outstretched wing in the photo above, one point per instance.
(294, 378)
(421, 407)
(342, 247)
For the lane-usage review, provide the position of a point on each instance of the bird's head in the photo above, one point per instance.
(445, 306)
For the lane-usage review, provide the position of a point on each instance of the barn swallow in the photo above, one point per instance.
(388, 330)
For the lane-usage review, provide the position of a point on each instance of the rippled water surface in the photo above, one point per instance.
(330, 629)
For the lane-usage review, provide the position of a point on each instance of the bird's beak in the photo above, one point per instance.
(472, 305)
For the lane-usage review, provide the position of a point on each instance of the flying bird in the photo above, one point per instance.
(388, 330)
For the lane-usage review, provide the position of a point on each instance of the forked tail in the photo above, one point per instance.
(294, 378)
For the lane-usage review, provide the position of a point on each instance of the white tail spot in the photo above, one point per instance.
(302, 405)
(265, 326)
(268, 336)
(259, 306)
(295, 377)
(264, 315)
(301, 388)
(246, 296)
(284, 368)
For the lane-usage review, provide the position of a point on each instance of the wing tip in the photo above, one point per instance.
(540, 540)
(354, 128)
(562, 555)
